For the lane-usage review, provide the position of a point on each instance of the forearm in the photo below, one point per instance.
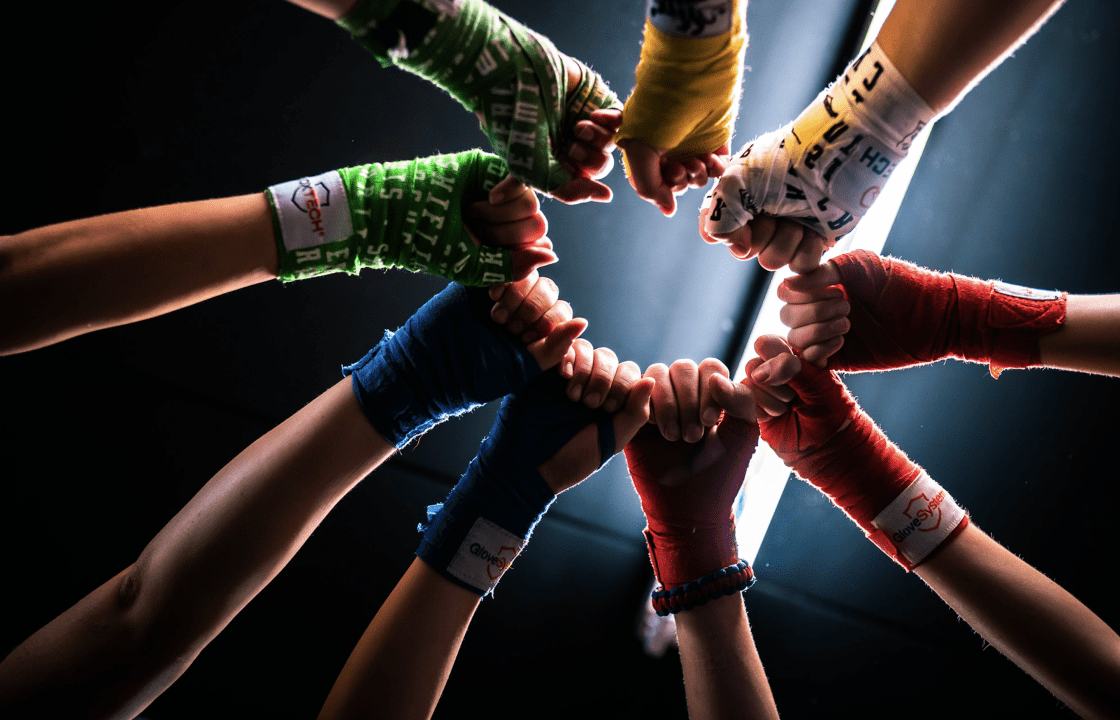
(1030, 619)
(68, 279)
(402, 662)
(126, 642)
(944, 47)
(1089, 340)
(723, 675)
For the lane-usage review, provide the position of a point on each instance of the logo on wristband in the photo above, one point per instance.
(920, 518)
(496, 562)
(487, 552)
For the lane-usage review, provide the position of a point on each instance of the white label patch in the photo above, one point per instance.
(1025, 293)
(920, 518)
(486, 553)
(313, 211)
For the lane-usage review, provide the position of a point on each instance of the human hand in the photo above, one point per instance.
(775, 241)
(687, 489)
(515, 223)
(816, 312)
(830, 442)
(596, 377)
(863, 312)
(659, 178)
(532, 310)
(541, 444)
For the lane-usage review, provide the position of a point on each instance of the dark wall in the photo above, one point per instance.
(105, 437)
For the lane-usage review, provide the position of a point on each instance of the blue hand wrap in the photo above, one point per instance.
(473, 537)
(448, 358)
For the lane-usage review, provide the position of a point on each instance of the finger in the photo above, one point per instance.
(697, 172)
(644, 164)
(567, 363)
(775, 373)
(782, 246)
(817, 333)
(582, 365)
(795, 316)
(559, 313)
(540, 297)
(811, 286)
(507, 187)
(809, 253)
(611, 119)
(518, 288)
(709, 408)
(549, 351)
(519, 203)
(590, 161)
(766, 398)
(663, 403)
(526, 260)
(685, 377)
(735, 398)
(716, 162)
(627, 374)
(768, 346)
(602, 375)
(820, 353)
(634, 414)
(580, 190)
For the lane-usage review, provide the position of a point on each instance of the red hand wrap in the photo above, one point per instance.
(857, 467)
(690, 525)
(906, 315)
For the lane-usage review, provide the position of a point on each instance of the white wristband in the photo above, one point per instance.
(920, 519)
(485, 555)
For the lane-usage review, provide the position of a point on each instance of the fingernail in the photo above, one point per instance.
(592, 400)
(574, 393)
(567, 369)
(584, 133)
(711, 416)
(761, 374)
(610, 405)
(672, 432)
(577, 153)
(501, 315)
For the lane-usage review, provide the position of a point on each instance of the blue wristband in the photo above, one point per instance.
(473, 537)
(449, 358)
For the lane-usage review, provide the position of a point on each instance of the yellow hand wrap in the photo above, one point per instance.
(687, 92)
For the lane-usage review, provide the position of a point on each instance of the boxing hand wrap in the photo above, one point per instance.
(831, 443)
(474, 536)
(688, 78)
(399, 214)
(903, 315)
(492, 65)
(447, 359)
(687, 498)
(827, 167)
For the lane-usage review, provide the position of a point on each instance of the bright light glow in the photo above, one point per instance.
(767, 475)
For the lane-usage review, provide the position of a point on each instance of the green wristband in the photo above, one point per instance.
(401, 214)
(493, 65)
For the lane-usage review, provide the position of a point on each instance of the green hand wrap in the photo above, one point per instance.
(492, 65)
(401, 214)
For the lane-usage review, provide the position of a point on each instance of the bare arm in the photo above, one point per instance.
(723, 674)
(69, 279)
(1089, 341)
(404, 658)
(944, 48)
(1042, 628)
(127, 641)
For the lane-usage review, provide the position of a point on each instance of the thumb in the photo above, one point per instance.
(634, 414)
(551, 349)
(524, 261)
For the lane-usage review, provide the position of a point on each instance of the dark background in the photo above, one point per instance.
(104, 437)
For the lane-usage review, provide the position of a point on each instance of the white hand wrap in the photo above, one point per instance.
(826, 168)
